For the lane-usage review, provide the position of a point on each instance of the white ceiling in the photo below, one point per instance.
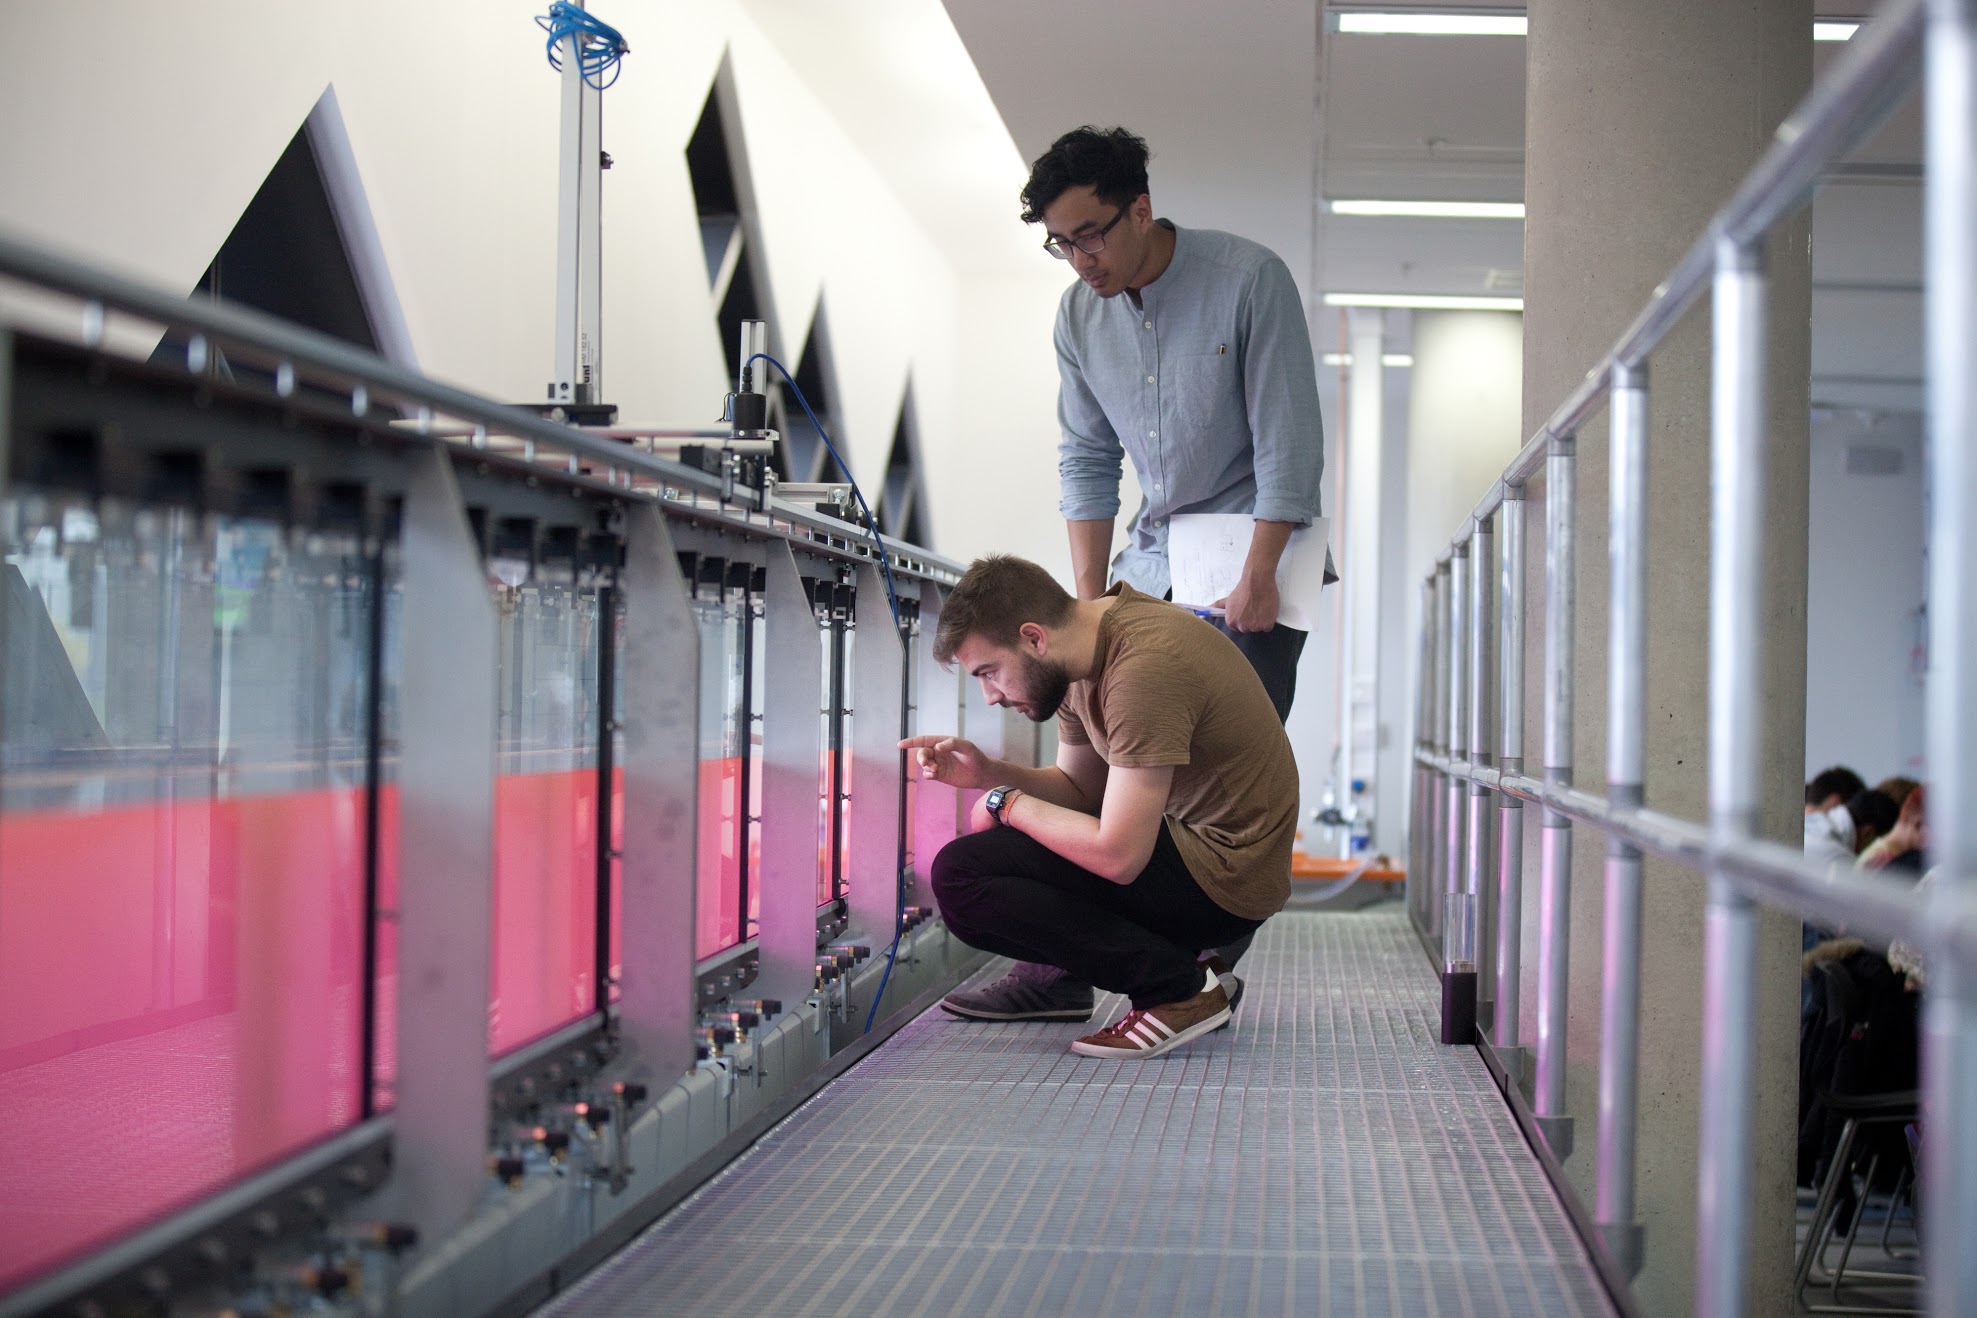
(1252, 118)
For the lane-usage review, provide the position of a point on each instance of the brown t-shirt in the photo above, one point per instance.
(1169, 688)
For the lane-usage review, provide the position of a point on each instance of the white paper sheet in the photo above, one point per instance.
(1205, 554)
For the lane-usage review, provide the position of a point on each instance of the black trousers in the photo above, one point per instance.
(1274, 655)
(1004, 892)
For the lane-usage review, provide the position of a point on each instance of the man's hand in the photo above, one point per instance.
(979, 819)
(1252, 606)
(950, 760)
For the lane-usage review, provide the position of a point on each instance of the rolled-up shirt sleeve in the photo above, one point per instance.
(1281, 384)
(1090, 459)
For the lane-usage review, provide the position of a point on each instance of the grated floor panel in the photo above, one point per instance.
(1325, 1155)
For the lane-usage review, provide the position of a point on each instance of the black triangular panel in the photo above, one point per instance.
(902, 502)
(709, 165)
(286, 256)
(808, 459)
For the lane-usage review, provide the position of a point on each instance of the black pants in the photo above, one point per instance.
(1274, 655)
(1003, 891)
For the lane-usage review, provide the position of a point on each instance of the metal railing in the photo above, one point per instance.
(1471, 783)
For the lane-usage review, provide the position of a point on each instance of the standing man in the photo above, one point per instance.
(1186, 349)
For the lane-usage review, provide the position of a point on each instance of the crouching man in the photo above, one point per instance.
(1165, 826)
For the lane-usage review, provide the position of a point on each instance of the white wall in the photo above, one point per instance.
(1464, 420)
(145, 163)
(1863, 674)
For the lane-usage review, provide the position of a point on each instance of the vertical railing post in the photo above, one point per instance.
(1438, 829)
(1480, 877)
(1736, 658)
(1458, 906)
(1555, 873)
(1418, 806)
(1626, 761)
(1510, 759)
(1949, 1141)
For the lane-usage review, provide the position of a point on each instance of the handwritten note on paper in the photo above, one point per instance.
(1205, 553)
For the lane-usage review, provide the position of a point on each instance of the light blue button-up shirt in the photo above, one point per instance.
(1208, 384)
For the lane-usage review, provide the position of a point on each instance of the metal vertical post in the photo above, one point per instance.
(1438, 856)
(937, 806)
(1555, 874)
(445, 857)
(1626, 717)
(1480, 879)
(1736, 666)
(590, 248)
(661, 703)
(1510, 758)
(1455, 642)
(1458, 907)
(569, 226)
(792, 746)
(878, 702)
(1421, 808)
(1949, 1177)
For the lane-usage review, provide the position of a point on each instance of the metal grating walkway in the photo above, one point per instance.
(1323, 1156)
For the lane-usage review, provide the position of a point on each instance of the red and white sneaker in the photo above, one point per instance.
(1155, 1030)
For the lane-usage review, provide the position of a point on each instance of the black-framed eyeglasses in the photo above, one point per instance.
(1091, 244)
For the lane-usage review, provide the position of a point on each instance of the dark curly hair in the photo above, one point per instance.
(994, 598)
(1110, 161)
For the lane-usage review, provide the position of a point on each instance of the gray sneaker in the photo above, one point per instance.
(1016, 997)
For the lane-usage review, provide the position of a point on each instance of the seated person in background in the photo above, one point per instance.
(1896, 789)
(1906, 845)
(1166, 824)
(1845, 830)
(1829, 789)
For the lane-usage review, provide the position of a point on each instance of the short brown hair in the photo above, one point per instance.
(994, 598)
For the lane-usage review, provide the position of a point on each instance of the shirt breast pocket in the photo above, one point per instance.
(1207, 392)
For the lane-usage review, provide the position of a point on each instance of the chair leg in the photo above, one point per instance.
(1853, 1231)
(1815, 1236)
(1894, 1203)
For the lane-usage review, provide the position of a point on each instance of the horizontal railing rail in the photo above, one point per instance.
(300, 358)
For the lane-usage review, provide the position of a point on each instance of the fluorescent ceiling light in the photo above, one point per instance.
(1436, 210)
(1417, 23)
(1424, 302)
(1435, 25)
(1393, 359)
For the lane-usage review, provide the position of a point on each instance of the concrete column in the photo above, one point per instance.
(1641, 117)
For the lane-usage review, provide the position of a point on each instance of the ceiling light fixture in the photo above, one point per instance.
(1434, 25)
(1399, 360)
(1434, 210)
(1415, 23)
(1424, 302)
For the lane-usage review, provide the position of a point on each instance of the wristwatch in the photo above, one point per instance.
(994, 802)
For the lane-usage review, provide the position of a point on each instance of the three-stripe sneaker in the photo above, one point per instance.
(1155, 1030)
